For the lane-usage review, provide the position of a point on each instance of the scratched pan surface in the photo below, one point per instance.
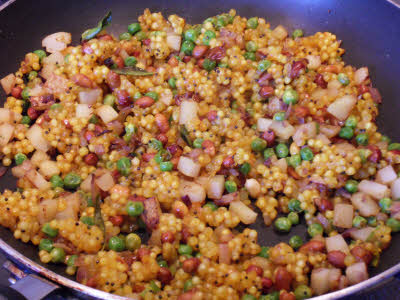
(370, 31)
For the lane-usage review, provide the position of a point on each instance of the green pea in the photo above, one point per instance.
(163, 263)
(264, 252)
(293, 218)
(208, 36)
(283, 224)
(32, 75)
(351, 186)
(394, 146)
(346, 133)
(306, 154)
(124, 166)
(66, 58)
(279, 116)
(71, 260)
(252, 23)
(26, 120)
(46, 244)
(134, 208)
(385, 204)
(50, 231)
(209, 64)
(153, 95)
(130, 61)
(295, 205)
(187, 47)
(250, 56)
(230, 186)
(393, 224)
(141, 35)
(109, 99)
(116, 243)
(19, 158)
(281, 150)
(248, 297)
(315, 229)
(372, 221)
(343, 79)
(56, 106)
(223, 65)
(271, 296)
(362, 139)
(290, 96)
(251, 46)
(302, 292)
(87, 220)
(41, 53)
(188, 285)
(297, 33)
(258, 145)
(155, 144)
(166, 166)
(385, 138)
(294, 160)
(222, 21)
(269, 152)
(211, 205)
(351, 122)
(125, 36)
(133, 28)
(133, 241)
(197, 143)
(185, 249)
(72, 180)
(264, 65)
(359, 222)
(172, 82)
(94, 119)
(190, 35)
(25, 93)
(56, 181)
(245, 168)
(295, 242)
(57, 255)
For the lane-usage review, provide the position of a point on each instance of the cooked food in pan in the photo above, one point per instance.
(187, 134)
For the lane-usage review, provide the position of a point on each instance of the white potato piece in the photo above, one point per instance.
(336, 242)
(245, 213)
(343, 215)
(188, 167)
(49, 168)
(36, 137)
(372, 188)
(8, 83)
(188, 111)
(56, 42)
(83, 111)
(6, 133)
(366, 206)
(107, 113)
(215, 187)
(386, 175)
(105, 182)
(342, 107)
(195, 192)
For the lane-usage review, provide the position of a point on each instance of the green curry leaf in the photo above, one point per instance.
(91, 33)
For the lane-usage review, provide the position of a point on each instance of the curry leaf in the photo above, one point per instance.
(185, 136)
(133, 71)
(91, 33)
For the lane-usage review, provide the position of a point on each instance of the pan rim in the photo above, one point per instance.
(18, 257)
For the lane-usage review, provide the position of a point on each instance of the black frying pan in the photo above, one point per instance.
(369, 29)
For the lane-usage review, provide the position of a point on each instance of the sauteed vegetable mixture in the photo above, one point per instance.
(181, 133)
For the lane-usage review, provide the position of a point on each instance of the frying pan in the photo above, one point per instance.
(369, 29)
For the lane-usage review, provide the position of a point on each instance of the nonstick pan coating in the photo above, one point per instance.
(370, 31)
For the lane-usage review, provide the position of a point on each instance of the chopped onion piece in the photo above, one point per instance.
(374, 189)
(282, 129)
(188, 167)
(37, 180)
(386, 175)
(83, 111)
(360, 75)
(362, 234)
(36, 137)
(47, 210)
(194, 191)
(343, 215)
(90, 97)
(304, 132)
(215, 187)
(329, 130)
(38, 157)
(107, 113)
(6, 133)
(21, 170)
(188, 111)
(336, 242)
(253, 187)
(357, 272)
(174, 41)
(56, 42)
(49, 168)
(245, 213)
(263, 124)
(105, 181)
(366, 206)
(342, 107)
(8, 83)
